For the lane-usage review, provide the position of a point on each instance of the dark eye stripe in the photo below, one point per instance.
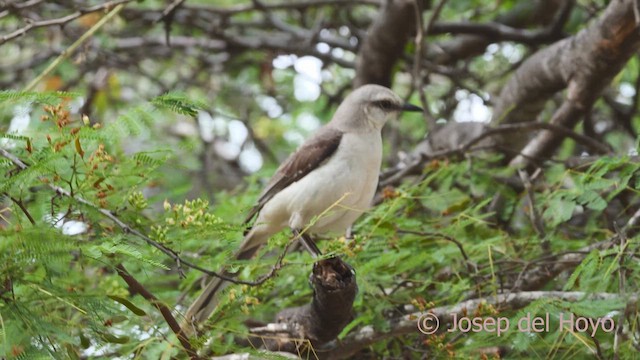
(385, 105)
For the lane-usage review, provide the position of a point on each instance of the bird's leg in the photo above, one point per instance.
(308, 243)
(348, 234)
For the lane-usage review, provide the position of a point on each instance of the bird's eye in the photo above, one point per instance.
(385, 105)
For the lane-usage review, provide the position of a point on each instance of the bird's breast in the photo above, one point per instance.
(351, 180)
(336, 193)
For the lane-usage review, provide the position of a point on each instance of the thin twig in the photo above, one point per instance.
(165, 250)
(22, 207)
(169, 10)
(66, 53)
(471, 267)
(164, 310)
(61, 21)
(540, 275)
(418, 77)
(621, 289)
(392, 175)
(536, 219)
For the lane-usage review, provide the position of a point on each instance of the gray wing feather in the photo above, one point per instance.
(316, 150)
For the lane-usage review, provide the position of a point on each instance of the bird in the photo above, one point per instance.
(335, 169)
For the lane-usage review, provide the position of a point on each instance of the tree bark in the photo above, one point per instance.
(321, 321)
(584, 64)
(385, 42)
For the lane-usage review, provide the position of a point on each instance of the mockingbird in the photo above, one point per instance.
(337, 168)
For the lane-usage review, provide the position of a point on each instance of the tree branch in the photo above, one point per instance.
(61, 21)
(384, 44)
(165, 250)
(584, 64)
(302, 329)
(447, 148)
(137, 287)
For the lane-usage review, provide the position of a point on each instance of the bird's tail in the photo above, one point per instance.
(206, 303)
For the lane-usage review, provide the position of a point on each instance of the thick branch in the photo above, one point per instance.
(301, 329)
(385, 43)
(584, 64)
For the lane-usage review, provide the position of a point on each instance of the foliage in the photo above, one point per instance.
(62, 297)
(156, 137)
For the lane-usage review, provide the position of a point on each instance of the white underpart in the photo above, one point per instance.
(351, 191)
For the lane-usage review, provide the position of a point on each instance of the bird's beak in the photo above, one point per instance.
(411, 107)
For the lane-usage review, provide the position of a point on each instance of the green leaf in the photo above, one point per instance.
(559, 210)
(110, 338)
(179, 103)
(128, 304)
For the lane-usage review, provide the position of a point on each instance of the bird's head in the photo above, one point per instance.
(370, 107)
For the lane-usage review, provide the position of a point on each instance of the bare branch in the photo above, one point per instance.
(498, 31)
(137, 287)
(415, 163)
(22, 207)
(61, 21)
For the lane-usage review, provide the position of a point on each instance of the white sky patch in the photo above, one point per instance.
(511, 52)
(325, 32)
(19, 123)
(76, 104)
(308, 122)
(337, 52)
(68, 227)
(306, 83)
(491, 50)
(227, 150)
(270, 105)
(184, 128)
(470, 108)
(294, 137)
(323, 48)
(207, 126)
(600, 127)
(250, 159)
(305, 90)
(238, 132)
(74, 227)
(284, 61)
(310, 67)
(232, 149)
(626, 93)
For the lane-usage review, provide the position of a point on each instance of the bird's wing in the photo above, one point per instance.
(316, 150)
